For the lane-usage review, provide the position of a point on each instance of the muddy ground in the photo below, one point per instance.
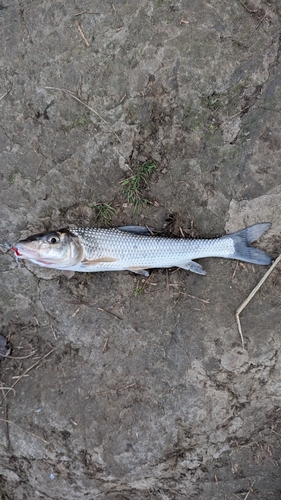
(116, 390)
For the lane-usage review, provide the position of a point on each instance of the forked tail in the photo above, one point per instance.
(242, 244)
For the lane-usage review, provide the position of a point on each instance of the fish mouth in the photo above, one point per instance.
(25, 252)
(15, 250)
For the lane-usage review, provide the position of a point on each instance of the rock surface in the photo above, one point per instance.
(120, 394)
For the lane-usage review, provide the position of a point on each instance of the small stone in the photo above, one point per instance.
(5, 347)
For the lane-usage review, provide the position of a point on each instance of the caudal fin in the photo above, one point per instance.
(242, 244)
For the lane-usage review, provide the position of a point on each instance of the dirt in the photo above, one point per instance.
(117, 389)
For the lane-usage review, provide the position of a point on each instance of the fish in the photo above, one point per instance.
(135, 249)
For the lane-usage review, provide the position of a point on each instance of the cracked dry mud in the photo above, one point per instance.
(123, 395)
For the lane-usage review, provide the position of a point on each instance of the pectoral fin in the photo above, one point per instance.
(194, 267)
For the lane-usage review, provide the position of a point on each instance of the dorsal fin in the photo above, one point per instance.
(141, 230)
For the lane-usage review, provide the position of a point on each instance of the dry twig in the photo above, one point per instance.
(111, 314)
(250, 490)
(105, 347)
(205, 301)
(4, 95)
(258, 25)
(87, 43)
(236, 267)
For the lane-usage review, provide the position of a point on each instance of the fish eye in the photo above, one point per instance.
(53, 238)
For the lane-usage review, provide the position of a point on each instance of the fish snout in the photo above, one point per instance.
(23, 251)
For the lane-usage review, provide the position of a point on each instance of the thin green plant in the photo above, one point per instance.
(133, 185)
(104, 212)
(140, 288)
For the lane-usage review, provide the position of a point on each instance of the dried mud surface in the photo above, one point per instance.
(118, 395)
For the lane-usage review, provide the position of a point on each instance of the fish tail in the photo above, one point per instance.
(242, 244)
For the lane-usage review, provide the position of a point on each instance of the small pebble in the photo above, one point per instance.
(5, 347)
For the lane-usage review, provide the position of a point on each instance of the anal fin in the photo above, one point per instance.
(68, 274)
(194, 267)
(139, 270)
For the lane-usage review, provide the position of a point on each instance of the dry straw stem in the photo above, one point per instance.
(252, 294)
(22, 357)
(71, 94)
(205, 301)
(82, 34)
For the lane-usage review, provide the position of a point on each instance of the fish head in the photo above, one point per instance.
(56, 249)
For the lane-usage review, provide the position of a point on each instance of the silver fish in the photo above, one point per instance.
(132, 248)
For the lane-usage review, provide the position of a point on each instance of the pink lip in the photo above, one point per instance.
(16, 251)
